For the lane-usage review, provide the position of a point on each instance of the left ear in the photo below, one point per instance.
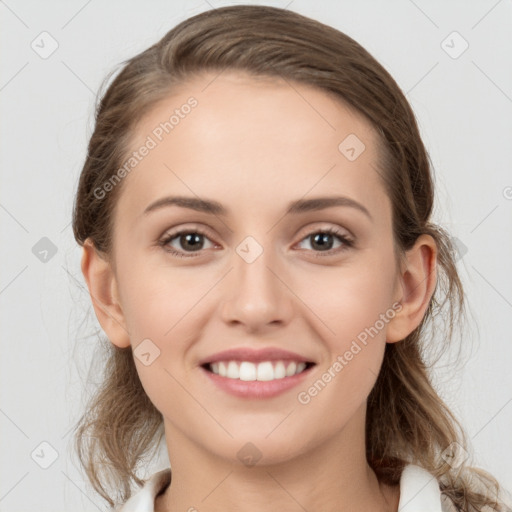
(417, 282)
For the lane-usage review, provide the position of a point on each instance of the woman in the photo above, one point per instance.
(254, 212)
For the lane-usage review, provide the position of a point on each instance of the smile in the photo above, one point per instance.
(263, 371)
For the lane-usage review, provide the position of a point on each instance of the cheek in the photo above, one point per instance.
(351, 300)
(155, 299)
(357, 312)
(354, 306)
(162, 318)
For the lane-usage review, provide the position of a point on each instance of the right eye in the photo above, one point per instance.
(191, 241)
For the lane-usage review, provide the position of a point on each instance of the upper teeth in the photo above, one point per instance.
(266, 370)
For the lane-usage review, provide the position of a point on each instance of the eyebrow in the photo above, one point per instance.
(295, 207)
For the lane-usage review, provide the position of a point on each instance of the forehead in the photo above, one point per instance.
(264, 139)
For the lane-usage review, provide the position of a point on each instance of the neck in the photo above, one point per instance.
(332, 476)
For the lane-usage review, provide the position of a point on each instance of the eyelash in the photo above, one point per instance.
(347, 242)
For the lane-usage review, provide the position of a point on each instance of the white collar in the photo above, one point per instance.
(419, 491)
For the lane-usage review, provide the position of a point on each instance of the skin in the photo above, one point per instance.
(255, 145)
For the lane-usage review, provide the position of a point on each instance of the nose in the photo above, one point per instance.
(256, 293)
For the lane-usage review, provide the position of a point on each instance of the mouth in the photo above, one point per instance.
(263, 371)
(245, 372)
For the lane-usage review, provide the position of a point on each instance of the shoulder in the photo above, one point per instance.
(144, 499)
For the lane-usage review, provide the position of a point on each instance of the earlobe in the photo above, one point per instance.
(417, 284)
(102, 285)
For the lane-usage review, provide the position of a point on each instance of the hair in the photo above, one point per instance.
(406, 420)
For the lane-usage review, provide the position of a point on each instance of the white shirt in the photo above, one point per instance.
(419, 492)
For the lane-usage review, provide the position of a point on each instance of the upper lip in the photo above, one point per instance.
(254, 355)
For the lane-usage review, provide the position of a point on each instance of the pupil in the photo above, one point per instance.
(192, 240)
(320, 240)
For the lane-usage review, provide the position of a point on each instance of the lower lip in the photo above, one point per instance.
(256, 388)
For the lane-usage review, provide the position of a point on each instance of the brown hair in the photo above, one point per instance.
(407, 421)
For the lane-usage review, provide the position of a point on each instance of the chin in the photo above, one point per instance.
(255, 447)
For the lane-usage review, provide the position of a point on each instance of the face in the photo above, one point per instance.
(268, 273)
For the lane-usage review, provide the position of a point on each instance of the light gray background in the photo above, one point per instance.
(464, 108)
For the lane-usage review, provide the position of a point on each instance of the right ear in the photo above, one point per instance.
(102, 284)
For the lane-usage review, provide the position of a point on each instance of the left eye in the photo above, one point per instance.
(321, 238)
